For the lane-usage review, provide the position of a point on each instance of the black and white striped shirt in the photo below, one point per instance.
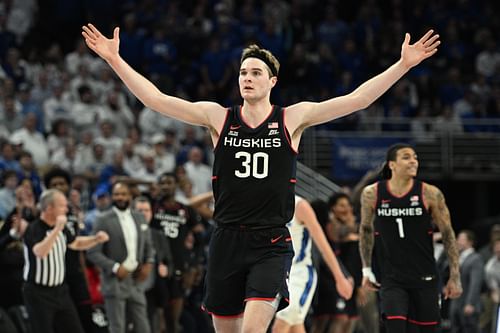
(49, 271)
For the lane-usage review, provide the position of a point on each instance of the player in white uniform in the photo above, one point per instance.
(304, 227)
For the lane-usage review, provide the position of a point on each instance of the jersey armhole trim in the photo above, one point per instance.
(376, 196)
(222, 130)
(424, 201)
(287, 135)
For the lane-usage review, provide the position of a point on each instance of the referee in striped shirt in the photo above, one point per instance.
(46, 295)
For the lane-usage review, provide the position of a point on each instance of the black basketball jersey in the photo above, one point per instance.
(75, 269)
(254, 172)
(404, 234)
(174, 221)
(73, 263)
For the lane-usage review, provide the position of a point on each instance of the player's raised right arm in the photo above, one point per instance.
(201, 113)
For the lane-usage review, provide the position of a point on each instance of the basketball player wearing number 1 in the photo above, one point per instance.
(254, 172)
(397, 212)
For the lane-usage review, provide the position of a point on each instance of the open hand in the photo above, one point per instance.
(412, 55)
(104, 47)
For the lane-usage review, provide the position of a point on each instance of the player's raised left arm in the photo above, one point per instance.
(305, 114)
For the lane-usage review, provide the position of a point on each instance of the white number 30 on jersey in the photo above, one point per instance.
(255, 165)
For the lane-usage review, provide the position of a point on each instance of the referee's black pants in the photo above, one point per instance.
(50, 309)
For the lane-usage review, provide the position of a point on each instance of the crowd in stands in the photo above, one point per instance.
(62, 106)
(192, 49)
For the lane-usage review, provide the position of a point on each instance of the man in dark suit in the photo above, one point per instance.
(465, 310)
(125, 262)
(156, 286)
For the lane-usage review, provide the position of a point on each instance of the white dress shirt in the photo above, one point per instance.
(492, 273)
(129, 229)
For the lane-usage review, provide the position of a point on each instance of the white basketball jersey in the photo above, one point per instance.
(301, 240)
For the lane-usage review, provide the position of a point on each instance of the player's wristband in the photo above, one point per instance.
(367, 271)
(115, 268)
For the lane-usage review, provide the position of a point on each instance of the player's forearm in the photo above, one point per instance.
(366, 241)
(372, 89)
(449, 242)
(42, 248)
(141, 87)
(154, 99)
(205, 212)
(333, 265)
(201, 198)
(326, 251)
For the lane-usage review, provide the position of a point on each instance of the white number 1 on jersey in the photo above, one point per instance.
(399, 221)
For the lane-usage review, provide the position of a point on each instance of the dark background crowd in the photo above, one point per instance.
(62, 106)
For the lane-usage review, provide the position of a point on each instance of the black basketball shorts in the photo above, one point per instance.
(328, 302)
(246, 264)
(418, 306)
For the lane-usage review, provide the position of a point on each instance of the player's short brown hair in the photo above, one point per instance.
(254, 51)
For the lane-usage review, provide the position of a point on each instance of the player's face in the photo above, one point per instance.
(255, 83)
(60, 184)
(406, 163)
(168, 186)
(342, 208)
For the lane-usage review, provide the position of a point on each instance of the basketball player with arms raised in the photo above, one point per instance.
(254, 172)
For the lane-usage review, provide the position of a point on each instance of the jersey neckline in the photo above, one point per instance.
(240, 115)
(388, 187)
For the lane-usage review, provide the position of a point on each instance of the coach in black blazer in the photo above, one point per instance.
(125, 261)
